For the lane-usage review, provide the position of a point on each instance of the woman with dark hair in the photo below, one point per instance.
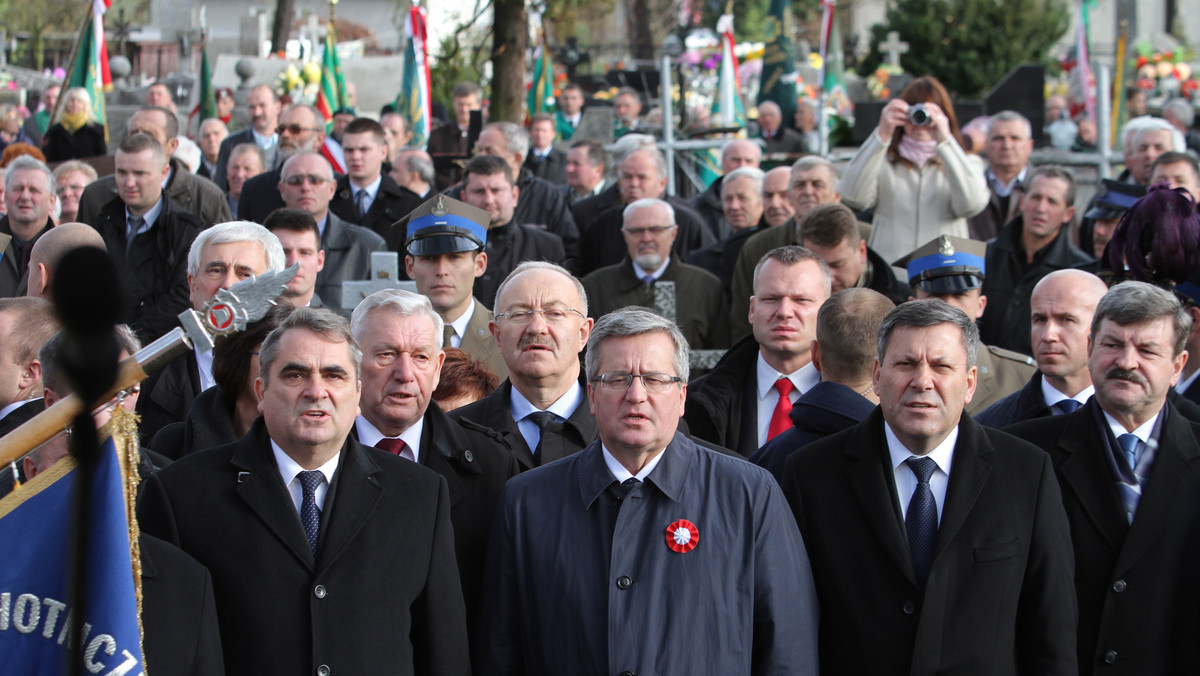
(77, 134)
(913, 172)
(223, 414)
(1157, 240)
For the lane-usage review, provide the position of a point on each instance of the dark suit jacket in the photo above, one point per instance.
(786, 140)
(260, 196)
(166, 398)
(155, 269)
(586, 211)
(476, 462)
(14, 284)
(21, 414)
(347, 257)
(826, 409)
(553, 168)
(507, 247)
(1026, 403)
(493, 411)
(390, 205)
(722, 406)
(448, 140)
(1192, 393)
(208, 424)
(541, 205)
(999, 598)
(381, 596)
(605, 245)
(185, 190)
(179, 614)
(1138, 596)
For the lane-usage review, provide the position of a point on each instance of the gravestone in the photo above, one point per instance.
(893, 47)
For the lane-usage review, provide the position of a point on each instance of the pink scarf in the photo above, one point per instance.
(917, 152)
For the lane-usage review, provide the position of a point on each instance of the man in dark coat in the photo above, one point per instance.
(401, 335)
(326, 556)
(1129, 466)
(184, 190)
(544, 160)
(347, 247)
(1009, 144)
(25, 324)
(923, 527)
(642, 174)
(539, 203)
(488, 185)
(263, 107)
(29, 198)
(778, 138)
(450, 139)
(1062, 307)
(844, 353)
(747, 604)
(301, 129)
(745, 400)
(709, 204)
(742, 203)
(1027, 249)
(649, 232)
(148, 238)
(540, 411)
(366, 195)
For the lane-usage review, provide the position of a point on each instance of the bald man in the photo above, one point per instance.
(49, 250)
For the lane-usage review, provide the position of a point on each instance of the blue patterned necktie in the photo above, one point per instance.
(310, 515)
(921, 520)
(1130, 494)
(1066, 406)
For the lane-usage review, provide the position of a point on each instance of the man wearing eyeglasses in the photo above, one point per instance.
(649, 232)
(666, 576)
(301, 129)
(263, 107)
(541, 326)
(307, 182)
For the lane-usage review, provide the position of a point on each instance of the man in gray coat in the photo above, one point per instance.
(681, 560)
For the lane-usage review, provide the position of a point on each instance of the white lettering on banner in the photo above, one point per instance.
(25, 615)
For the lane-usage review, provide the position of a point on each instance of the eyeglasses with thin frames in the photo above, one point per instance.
(554, 315)
(619, 381)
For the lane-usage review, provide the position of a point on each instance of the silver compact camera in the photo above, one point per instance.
(919, 115)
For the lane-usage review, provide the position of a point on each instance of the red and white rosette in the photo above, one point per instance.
(682, 536)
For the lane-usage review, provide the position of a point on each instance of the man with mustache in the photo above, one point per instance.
(541, 325)
(401, 339)
(649, 232)
(1129, 465)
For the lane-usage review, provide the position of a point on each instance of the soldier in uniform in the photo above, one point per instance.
(952, 269)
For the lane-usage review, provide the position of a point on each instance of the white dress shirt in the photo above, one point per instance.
(521, 408)
(1052, 395)
(803, 380)
(369, 435)
(622, 475)
(656, 274)
(906, 480)
(289, 470)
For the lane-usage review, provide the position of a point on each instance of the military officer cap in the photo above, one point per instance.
(946, 265)
(1113, 199)
(444, 225)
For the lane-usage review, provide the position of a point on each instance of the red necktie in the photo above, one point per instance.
(781, 419)
(393, 446)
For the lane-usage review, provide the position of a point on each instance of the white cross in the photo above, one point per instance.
(894, 48)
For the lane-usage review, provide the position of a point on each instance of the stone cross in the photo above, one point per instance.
(385, 274)
(894, 48)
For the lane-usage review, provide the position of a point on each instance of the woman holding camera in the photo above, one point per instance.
(913, 172)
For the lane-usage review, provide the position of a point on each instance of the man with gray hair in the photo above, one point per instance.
(1008, 147)
(326, 556)
(1129, 465)
(778, 138)
(29, 199)
(924, 526)
(263, 107)
(614, 499)
(588, 209)
(401, 338)
(643, 173)
(649, 232)
(539, 203)
(742, 192)
(412, 169)
(301, 129)
(710, 204)
(1180, 113)
(220, 257)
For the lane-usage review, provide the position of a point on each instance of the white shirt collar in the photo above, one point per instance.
(942, 454)
(14, 406)
(641, 274)
(1143, 432)
(264, 142)
(289, 469)
(1052, 395)
(621, 474)
(369, 435)
(804, 378)
(372, 189)
(150, 217)
(563, 407)
(460, 325)
(1183, 383)
(204, 364)
(1005, 189)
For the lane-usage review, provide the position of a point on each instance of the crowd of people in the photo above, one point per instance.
(954, 427)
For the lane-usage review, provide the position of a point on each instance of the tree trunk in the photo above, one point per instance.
(282, 25)
(510, 36)
(641, 38)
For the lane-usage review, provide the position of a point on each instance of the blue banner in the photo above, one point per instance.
(35, 613)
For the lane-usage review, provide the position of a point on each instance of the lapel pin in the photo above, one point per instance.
(682, 536)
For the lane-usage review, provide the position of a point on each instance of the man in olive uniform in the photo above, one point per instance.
(952, 269)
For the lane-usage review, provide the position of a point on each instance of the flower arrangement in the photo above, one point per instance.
(1165, 74)
(299, 84)
(877, 82)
